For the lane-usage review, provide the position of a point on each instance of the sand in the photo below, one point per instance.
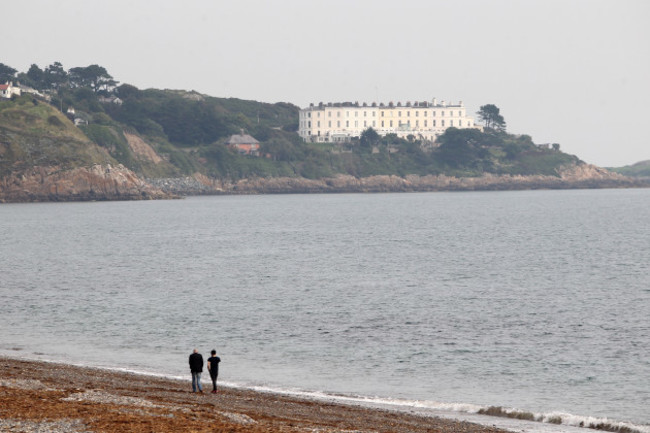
(50, 398)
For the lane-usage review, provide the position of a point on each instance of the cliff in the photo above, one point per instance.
(99, 182)
(571, 177)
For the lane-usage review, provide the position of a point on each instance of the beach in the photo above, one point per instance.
(49, 397)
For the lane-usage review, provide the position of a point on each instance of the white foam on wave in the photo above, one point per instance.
(542, 422)
(546, 422)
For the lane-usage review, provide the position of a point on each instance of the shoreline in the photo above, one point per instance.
(39, 185)
(52, 397)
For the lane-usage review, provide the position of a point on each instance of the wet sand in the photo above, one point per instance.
(50, 398)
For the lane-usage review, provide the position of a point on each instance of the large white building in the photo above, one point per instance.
(339, 122)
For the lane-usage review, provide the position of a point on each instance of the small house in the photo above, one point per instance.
(244, 144)
(8, 89)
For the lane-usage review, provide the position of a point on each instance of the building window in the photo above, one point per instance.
(417, 123)
(365, 113)
(329, 114)
(460, 114)
(382, 123)
(365, 123)
(425, 123)
(309, 124)
(338, 123)
(318, 115)
(373, 123)
(382, 113)
(434, 122)
(308, 114)
(347, 114)
(338, 114)
(347, 123)
(329, 123)
(451, 123)
(356, 114)
(408, 114)
(391, 123)
(434, 113)
(417, 114)
(442, 114)
(443, 123)
(399, 114)
(356, 123)
(319, 123)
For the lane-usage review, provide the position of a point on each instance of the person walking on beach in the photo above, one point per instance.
(213, 368)
(196, 367)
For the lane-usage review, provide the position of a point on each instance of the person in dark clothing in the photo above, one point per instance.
(213, 368)
(196, 367)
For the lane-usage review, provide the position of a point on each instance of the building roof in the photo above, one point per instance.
(242, 139)
(4, 86)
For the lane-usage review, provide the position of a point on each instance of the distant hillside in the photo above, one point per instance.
(33, 133)
(44, 157)
(187, 131)
(177, 140)
(640, 169)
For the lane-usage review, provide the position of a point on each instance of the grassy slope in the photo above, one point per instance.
(640, 169)
(36, 134)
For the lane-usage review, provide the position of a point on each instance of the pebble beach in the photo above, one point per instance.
(43, 397)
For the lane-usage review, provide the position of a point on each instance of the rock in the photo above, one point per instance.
(98, 182)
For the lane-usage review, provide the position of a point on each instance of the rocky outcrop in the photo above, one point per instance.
(98, 182)
(105, 182)
(572, 177)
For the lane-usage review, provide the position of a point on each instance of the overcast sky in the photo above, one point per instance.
(575, 72)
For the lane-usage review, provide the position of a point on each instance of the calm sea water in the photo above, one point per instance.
(536, 300)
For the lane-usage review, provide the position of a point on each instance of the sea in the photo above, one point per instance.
(532, 304)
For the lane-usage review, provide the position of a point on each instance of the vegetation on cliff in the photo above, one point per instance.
(174, 133)
(36, 134)
(640, 169)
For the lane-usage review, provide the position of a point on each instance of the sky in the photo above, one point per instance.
(573, 72)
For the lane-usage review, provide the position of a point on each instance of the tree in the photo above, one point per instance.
(556, 146)
(6, 73)
(126, 91)
(490, 115)
(94, 76)
(462, 148)
(36, 77)
(55, 76)
(369, 138)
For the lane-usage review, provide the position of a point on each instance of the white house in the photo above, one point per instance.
(8, 89)
(339, 122)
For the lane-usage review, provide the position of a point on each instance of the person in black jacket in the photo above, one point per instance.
(196, 367)
(213, 368)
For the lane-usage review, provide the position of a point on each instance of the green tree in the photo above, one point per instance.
(36, 77)
(7, 73)
(94, 76)
(126, 91)
(556, 146)
(55, 76)
(369, 138)
(491, 117)
(461, 148)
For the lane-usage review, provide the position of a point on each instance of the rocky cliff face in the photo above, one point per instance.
(106, 182)
(99, 182)
(575, 176)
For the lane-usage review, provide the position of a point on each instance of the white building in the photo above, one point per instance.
(339, 122)
(8, 90)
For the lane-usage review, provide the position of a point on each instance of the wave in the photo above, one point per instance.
(423, 407)
(438, 408)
